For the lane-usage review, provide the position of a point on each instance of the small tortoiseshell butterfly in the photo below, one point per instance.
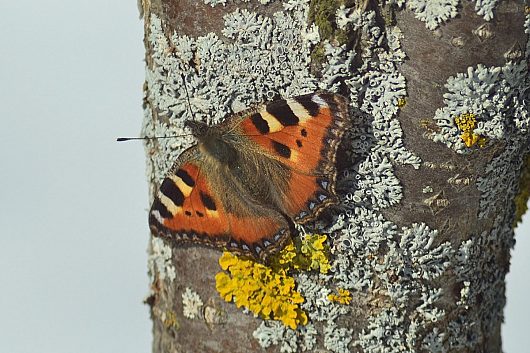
(249, 178)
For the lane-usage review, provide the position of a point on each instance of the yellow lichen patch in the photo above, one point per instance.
(269, 291)
(343, 297)
(170, 319)
(467, 122)
(307, 253)
(401, 102)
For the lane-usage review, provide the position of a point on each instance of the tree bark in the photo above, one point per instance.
(429, 172)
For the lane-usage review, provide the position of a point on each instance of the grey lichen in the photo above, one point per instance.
(485, 8)
(346, 16)
(400, 273)
(527, 31)
(383, 333)
(214, 3)
(191, 303)
(484, 287)
(499, 96)
(433, 12)
(290, 341)
(375, 184)
(496, 96)
(361, 235)
(381, 87)
(159, 261)
(337, 339)
(500, 183)
(436, 12)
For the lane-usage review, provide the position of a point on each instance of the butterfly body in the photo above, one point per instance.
(248, 179)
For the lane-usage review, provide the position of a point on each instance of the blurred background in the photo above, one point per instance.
(73, 216)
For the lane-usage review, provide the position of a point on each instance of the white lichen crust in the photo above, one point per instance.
(159, 261)
(433, 12)
(214, 3)
(485, 8)
(290, 341)
(405, 272)
(191, 303)
(436, 12)
(497, 96)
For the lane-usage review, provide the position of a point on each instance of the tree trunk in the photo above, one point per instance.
(420, 244)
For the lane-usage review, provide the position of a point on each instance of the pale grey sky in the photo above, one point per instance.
(74, 202)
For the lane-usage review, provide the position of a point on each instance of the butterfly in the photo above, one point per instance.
(249, 179)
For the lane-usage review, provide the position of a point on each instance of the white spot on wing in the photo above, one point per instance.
(170, 206)
(299, 110)
(274, 124)
(184, 188)
(318, 100)
(158, 217)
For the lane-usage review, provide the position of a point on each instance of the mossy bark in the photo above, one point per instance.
(433, 56)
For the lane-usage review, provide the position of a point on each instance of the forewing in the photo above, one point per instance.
(303, 133)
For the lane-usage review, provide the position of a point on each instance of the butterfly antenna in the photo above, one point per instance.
(122, 139)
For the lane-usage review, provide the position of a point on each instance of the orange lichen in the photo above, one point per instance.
(467, 122)
(269, 291)
(307, 253)
(401, 102)
(170, 319)
(343, 296)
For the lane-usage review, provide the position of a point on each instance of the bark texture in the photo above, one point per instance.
(423, 238)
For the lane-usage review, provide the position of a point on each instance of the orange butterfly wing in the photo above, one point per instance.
(186, 209)
(303, 133)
